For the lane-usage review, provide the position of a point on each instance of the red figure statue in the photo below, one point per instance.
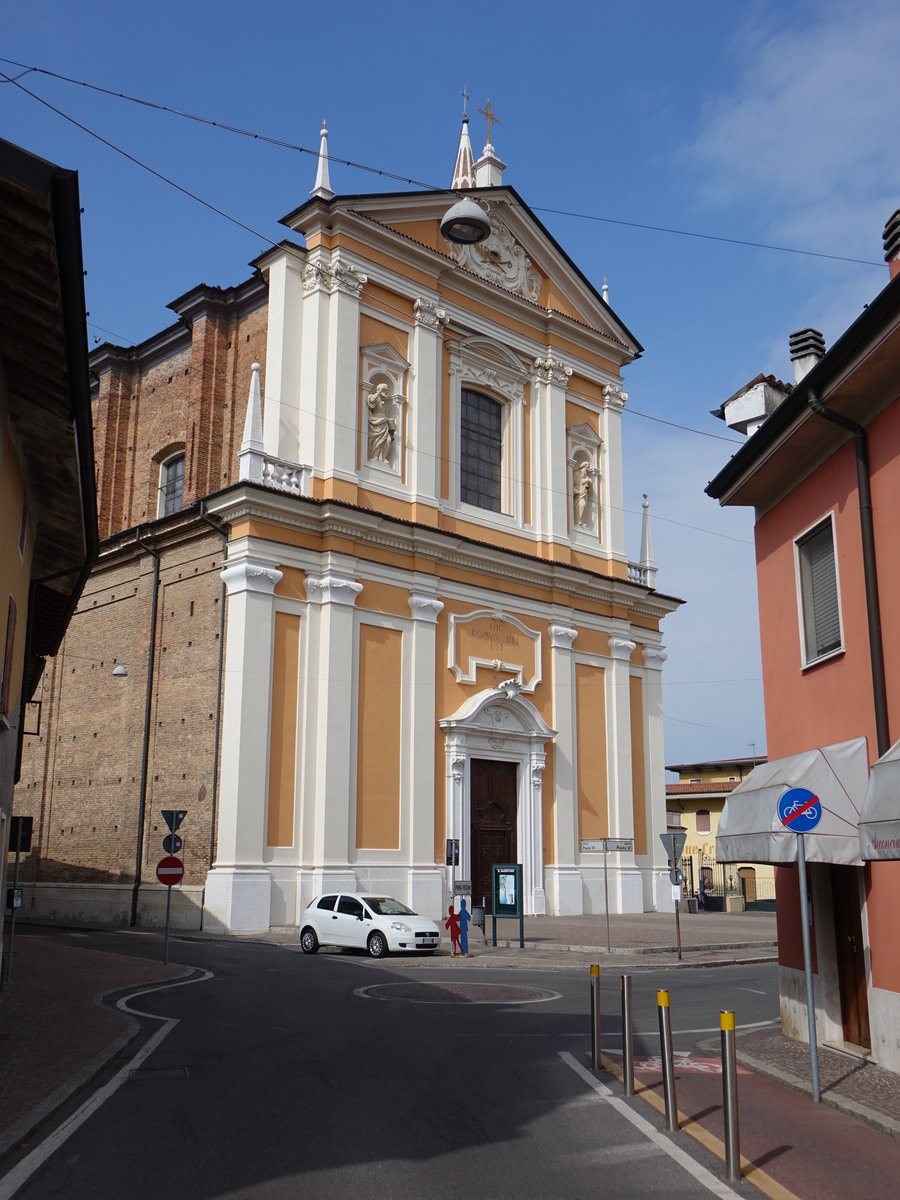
(452, 923)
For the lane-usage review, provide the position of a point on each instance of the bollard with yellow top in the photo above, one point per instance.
(729, 1096)
(668, 1062)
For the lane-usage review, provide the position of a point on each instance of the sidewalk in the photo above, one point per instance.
(55, 1035)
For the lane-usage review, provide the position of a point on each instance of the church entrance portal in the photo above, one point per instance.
(493, 800)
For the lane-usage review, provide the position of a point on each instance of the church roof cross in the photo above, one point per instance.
(490, 116)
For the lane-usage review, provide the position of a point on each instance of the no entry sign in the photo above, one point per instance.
(170, 871)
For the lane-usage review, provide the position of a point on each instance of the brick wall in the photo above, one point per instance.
(81, 777)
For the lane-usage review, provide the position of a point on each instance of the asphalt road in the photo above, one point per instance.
(334, 1076)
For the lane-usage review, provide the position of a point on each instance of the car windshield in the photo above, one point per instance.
(384, 906)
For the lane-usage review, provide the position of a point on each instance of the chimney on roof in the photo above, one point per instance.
(891, 237)
(807, 347)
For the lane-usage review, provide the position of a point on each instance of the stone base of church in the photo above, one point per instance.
(565, 891)
(238, 899)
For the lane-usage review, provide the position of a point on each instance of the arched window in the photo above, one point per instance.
(171, 485)
(481, 450)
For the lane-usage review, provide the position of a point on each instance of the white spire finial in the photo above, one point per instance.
(322, 187)
(606, 301)
(648, 562)
(464, 171)
(252, 449)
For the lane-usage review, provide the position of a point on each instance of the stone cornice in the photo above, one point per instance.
(371, 529)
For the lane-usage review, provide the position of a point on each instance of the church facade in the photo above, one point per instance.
(365, 585)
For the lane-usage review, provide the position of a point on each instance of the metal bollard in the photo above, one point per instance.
(627, 1038)
(595, 1015)
(730, 1097)
(668, 1064)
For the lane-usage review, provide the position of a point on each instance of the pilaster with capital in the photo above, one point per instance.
(425, 410)
(611, 479)
(424, 610)
(621, 815)
(550, 381)
(238, 886)
(654, 749)
(565, 720)
(281, 410)
(330, 708)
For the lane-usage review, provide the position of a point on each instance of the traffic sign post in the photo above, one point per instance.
(673, 842)
(170, 870)
(800, 811)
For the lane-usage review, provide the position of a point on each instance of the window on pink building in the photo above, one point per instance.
(820, 614)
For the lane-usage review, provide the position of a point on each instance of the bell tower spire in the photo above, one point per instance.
(464, 171)
(322, 187)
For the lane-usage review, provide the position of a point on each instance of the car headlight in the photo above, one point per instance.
(400, 927)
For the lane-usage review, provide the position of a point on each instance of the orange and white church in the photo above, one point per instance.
(432, 628)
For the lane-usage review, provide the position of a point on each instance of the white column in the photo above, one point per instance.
(342, 381)
(548, 441)
(626, 885)
(313, 365)
(621, 812)
(334, 699)
(533, 856)
(425, 877)
(238, 886)
(281, 426)
(611, 477)
(655, 770)
(564, 879)
(424, 422)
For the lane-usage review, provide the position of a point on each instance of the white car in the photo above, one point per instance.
(358, 921)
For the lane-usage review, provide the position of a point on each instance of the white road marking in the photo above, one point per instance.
(755, 991)
(659, 1139)
(22, 1172)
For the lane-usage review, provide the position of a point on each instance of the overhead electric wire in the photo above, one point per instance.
(383, 172)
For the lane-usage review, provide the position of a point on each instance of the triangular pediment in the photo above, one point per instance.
(520, 259)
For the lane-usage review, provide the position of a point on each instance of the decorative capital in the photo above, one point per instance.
(613, 394)
(346, 279)
(621, 648)
(333, 277)
(562, 637)
(332, 589)
(430, 314)
(552, 370)
(250, 575)
(654, 657)
(457, 766)
(425, 608)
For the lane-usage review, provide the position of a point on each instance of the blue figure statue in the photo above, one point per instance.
(464, 919)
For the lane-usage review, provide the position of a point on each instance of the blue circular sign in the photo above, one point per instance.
(799, 810)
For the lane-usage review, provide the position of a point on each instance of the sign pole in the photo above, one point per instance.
(807, 967)
(677, 902)
(166, 939)
(800, 811)
(606, 889)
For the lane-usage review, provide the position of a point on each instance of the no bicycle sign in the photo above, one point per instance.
(800, 810)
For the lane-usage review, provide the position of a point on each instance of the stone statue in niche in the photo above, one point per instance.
(582, 486)
(382, 428)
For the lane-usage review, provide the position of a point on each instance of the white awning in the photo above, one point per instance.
(750, 829)
(879, 824)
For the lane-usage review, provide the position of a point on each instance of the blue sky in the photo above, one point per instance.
(768, 122)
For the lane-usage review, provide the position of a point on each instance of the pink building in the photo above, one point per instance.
(821, 468)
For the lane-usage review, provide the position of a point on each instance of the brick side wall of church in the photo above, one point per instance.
(81, 777)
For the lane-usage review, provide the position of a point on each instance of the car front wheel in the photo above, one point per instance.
(377, 944)
(309, 943)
